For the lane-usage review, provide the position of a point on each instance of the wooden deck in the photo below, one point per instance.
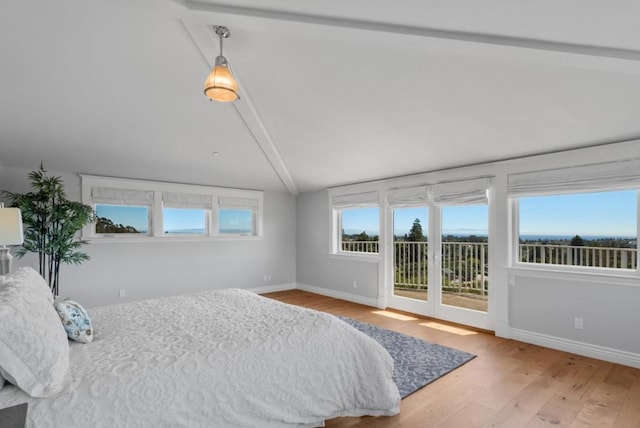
(468, 301)
(509, 384)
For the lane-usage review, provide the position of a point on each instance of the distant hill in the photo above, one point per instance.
(105, 225)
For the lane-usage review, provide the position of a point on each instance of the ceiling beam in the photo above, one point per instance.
(464, 36)
(252, 120)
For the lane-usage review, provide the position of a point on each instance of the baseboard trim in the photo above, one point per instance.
(273, 288)
(502, 329)
(368, 301)
(588, 350)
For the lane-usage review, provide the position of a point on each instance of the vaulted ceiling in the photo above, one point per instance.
(332, 92)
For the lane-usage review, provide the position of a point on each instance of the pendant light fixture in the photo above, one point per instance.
(220, 85)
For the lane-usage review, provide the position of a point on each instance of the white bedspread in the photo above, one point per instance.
(225, 358)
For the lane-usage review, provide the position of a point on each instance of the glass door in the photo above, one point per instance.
(437, 251)
(464, 279)
(463, 292)
(410, 259)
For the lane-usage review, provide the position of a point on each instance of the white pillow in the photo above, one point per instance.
(75, 320)
(34, 350)
(29, 280)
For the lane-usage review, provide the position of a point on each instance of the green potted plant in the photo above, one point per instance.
(51, 224)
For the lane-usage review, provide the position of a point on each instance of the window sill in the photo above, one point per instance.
(366, 258)
(148, 239)
(621, 277)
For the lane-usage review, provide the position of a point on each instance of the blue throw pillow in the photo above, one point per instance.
(75, 320)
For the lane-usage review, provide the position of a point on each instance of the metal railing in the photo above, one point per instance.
(603, 257)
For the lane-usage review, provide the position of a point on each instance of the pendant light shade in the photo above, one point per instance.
(220, 85)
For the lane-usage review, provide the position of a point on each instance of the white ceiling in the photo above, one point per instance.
(332, 92)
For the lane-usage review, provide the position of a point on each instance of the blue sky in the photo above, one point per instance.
(181, 219)
(471, 219)
(595, 214)
(361, 219)
(586, 214)
(235, 220)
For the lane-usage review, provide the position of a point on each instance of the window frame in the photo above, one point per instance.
(339, 234)
(253, 221)
(570, 269)
(207, 223)
(149, 224)
(157, 204)
(335, 250)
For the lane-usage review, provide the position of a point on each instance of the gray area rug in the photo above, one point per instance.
(416, 362)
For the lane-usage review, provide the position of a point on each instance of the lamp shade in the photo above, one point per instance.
(10, 226)
(220, 85)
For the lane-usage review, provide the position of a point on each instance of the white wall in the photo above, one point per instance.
(152, 269)
(547, 306)
(538, 307)
(316, 268)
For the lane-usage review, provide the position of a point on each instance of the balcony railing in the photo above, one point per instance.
(603, 257)
(411, 265)
(465, 264)
(360, 246)
(465, 267)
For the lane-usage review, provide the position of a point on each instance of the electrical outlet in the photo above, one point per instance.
(123, 293)
(578, 323)
(355, 284)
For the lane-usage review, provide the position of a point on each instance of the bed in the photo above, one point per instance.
(226, 358)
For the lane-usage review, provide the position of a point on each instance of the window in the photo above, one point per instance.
(360, 230)
(237, 216)
(138, 210)
(356, 223)
(123, 212)
(186, 213)
(121, 219)
(595, 229)
(235, 222)
(583, 217)
(185, 221)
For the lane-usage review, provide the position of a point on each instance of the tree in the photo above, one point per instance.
(415, 233)
(105, 225)
(52, 222)
(577, 241)
(362, 237)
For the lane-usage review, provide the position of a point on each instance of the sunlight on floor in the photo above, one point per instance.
(395, 316)
(449, 328)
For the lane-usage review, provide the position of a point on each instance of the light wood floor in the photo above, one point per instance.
(509, 384)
